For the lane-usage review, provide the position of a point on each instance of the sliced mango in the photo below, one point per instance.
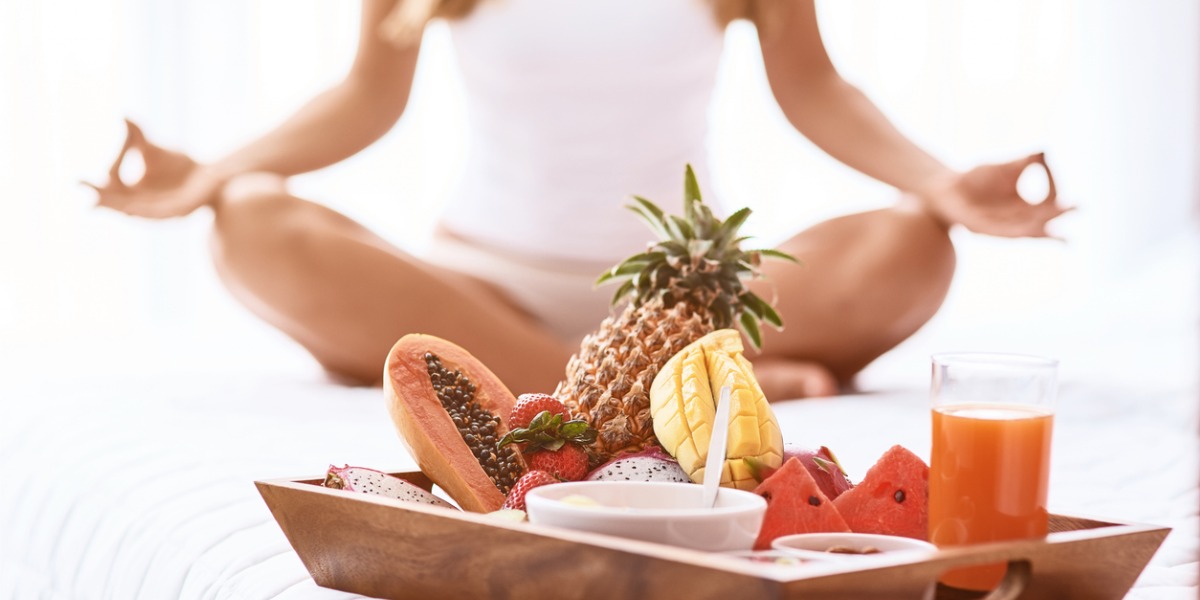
(683, 406)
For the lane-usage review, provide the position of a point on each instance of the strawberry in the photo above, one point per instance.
(528, 481)
(547, 438)
(569, 463)
(529, 405)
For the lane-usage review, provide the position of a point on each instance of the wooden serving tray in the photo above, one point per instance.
(385, 548)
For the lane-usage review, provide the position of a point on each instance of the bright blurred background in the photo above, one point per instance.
(1109, 90)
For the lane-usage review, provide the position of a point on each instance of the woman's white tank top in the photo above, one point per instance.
(574, 107)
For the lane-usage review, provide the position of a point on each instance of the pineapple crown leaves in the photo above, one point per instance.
(698, 259)
(547, 431)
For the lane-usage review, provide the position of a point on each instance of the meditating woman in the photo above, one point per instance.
(573, 107)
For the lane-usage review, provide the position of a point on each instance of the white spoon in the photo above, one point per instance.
(714, 465)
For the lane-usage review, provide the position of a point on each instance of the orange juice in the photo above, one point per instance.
(989, 473)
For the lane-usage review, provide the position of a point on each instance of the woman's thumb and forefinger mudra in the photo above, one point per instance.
(162, 191)
(1046, 208)
(992, 195)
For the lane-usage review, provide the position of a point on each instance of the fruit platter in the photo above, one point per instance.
(638, 406)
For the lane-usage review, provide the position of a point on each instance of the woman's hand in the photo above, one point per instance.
(173, 184)
(985, 200)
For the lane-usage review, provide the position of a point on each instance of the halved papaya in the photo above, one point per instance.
(450, 410)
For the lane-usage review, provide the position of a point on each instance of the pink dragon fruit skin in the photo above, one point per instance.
(651, 464)
(821, 464)
(370, 481)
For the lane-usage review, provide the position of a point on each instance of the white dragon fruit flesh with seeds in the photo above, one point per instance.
(370, 481)
(651, 464)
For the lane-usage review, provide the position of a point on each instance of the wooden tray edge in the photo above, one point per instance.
(1143, 540)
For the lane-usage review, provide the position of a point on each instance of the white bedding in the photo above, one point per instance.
(140, 485)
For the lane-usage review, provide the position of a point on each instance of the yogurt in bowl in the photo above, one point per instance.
(663, 512)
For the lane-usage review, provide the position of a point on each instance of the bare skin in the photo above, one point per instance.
(347, 296)
(868, 280)
(851, 301)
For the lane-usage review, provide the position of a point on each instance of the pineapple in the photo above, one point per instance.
(682, 287)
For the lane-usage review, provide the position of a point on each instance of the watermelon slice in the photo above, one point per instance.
(892, 499)
(795, 504)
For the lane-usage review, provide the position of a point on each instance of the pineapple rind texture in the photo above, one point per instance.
(609, 379)
(683, 405)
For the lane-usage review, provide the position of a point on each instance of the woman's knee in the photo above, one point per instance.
(925, 240)
(869, 281)
(255, 214)
(250, 185)
(898, 244)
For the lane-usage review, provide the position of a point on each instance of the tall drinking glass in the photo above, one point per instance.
(990, 462)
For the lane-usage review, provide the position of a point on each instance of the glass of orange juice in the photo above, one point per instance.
(989, 467)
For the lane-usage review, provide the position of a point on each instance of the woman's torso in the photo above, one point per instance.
(574, 107)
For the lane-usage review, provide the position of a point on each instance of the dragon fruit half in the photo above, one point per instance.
(821, 464)
(651, 464)
(370, 481)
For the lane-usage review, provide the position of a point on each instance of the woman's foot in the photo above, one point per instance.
(786, 379)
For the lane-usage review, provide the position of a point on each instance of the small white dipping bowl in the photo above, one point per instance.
(666, 513)
(816, 546)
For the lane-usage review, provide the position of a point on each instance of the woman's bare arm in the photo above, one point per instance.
(843, 122)
(344, 119)
(831, 112)
(335, 125)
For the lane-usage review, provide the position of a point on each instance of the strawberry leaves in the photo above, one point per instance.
(548, 431)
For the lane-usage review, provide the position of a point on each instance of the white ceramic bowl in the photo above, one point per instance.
(667, 513)
(816, 546)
